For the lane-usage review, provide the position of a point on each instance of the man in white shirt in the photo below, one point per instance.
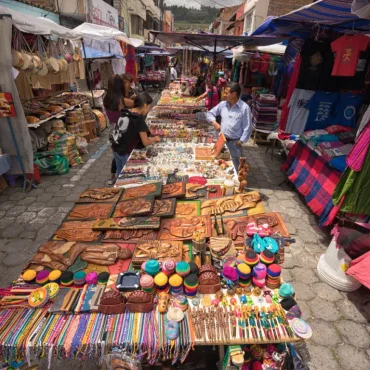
(173, 73)
(236, 123)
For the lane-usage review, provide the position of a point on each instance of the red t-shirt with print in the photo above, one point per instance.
(347, 49)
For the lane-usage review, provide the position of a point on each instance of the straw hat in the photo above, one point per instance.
(27, 59)
(44, 70)
(17, 59)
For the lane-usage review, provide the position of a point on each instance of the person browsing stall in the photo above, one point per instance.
(236, 122)
(211, 96)
(131, 130)
(114, 101)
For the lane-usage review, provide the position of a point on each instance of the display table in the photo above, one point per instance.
(314, 179)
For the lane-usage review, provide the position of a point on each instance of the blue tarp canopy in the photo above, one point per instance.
(98, 54)
(334, 14)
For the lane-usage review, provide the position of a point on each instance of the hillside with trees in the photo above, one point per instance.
(191, 19)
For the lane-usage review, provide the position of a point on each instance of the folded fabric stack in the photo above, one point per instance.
(264, 112)
(191, 283)
(244, 273)
(273, 276)
(259, 275)
(147, 283)
(176, 285)
(161, 282)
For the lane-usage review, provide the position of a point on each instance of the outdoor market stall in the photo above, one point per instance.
(147, 273)
(327, 97)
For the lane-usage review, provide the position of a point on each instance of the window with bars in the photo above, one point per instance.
(137, 25)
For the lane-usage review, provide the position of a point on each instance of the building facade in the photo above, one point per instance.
(222, 22)
(243, 19)
(256, 11)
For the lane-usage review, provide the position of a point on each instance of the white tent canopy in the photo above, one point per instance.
(44, 26)
(102, 33)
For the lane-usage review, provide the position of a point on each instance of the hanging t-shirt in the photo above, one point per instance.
(357, 82)
(265, 63)
(313, 57)
(321, 106)
(346, 110)
(347, 49)
(298, 113)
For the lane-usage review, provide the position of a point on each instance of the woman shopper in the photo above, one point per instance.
(114, 101)
(131, 131)
(211, 96)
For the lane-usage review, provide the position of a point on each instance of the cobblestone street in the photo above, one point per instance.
(340, 321)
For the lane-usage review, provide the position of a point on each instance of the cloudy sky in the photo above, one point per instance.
(196, 3)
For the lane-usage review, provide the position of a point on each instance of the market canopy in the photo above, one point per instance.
(203, 40)
(335, 14)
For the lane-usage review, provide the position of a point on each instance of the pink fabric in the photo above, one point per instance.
(213, 101)
(357, 155)
(359, 269)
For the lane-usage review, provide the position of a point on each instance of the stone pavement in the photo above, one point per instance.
(340, 321)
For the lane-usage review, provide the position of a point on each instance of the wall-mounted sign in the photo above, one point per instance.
(121, 23)
(103, 14)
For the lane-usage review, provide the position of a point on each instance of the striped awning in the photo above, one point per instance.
(335, 14)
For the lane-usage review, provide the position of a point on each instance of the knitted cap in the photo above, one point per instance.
(191, 281)
(251, 258)
(260, 283)
(288, 303)
(175, 280)
(66, 278)
(161, 279)
(54, 275)
(152, 267)
(274, 270)
(259, 271)
(29, 275)
(168, 267)
(42, 277)
(92, 278)
(243, 270)
(103, 277)
(183, 268)
(267, 257)
(286, 290)
(230, 273)
(146, 281)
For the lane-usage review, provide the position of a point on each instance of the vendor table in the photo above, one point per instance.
(314, 179)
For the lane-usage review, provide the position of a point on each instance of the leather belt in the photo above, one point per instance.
(228, 139)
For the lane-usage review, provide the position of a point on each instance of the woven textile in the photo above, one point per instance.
(314, 179)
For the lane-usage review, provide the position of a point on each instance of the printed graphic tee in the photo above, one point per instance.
(321, 106)
(347, 51)
(347, 109)
(298, 113)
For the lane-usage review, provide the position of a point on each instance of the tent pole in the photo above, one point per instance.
(88, 74)
(214, 54)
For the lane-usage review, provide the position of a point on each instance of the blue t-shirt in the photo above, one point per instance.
(321, 107)
(346, 110)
